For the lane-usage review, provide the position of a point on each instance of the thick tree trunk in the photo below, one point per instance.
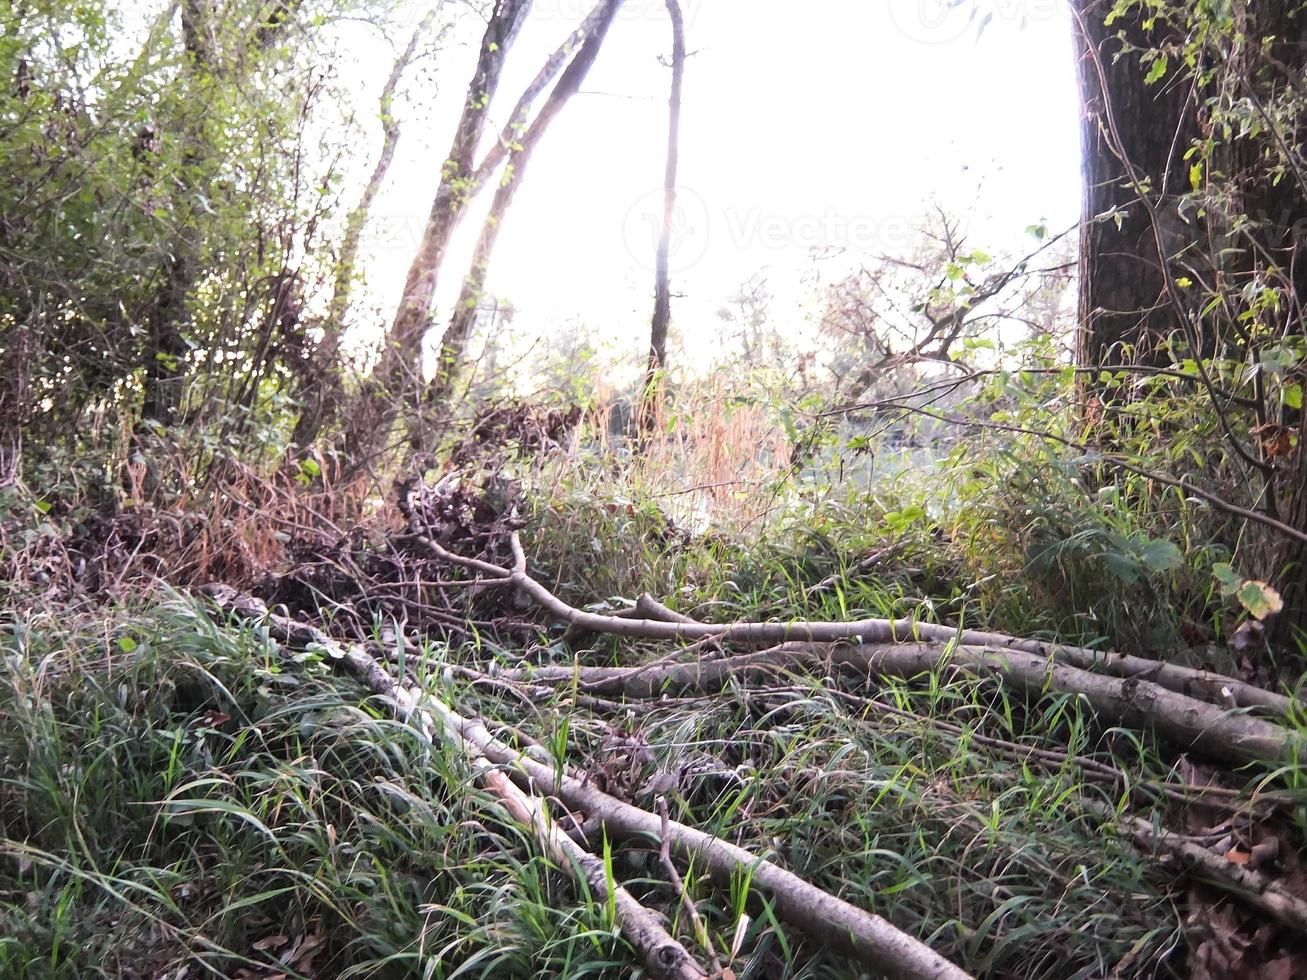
(1133, 134)
(1271, 176)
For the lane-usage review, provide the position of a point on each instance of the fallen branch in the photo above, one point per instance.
(865, 937)
(664, 957)
(1246, 884)
(1186, 721)
(646, 607)
(1190, 682)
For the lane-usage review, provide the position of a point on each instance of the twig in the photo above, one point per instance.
(674, 876)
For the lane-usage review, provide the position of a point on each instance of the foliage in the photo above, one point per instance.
(159, 227)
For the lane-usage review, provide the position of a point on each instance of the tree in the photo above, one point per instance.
(1134, 137)
(662, 315)
(157, 232)
(454, 341)
(399, 367)
(323, 394)
(1192, 243)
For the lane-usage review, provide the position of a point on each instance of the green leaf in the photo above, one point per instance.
(1125, 568)
(126, 644)
(1161, 556)
(1292, 396)
(1226, 578)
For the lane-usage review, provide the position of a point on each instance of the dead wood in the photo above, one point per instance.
(1192, 683)
(861, 935)
(1246, 884)
(663, 955)
(1185, 721)
(865, 937)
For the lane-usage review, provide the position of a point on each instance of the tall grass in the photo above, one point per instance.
(175, 792)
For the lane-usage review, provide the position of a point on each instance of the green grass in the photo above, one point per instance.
(196, 804)
(176, 791)
(199, 801)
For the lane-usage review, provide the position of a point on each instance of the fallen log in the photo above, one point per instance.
(1189, 681)
(861, 935)
(664, 956)
(1188, 722)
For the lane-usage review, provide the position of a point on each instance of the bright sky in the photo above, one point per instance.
(822, 123)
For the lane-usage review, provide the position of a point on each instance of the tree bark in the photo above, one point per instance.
(400, 366)
(454, 341)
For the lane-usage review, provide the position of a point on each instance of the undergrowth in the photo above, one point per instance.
(181, 797)
(178, 792)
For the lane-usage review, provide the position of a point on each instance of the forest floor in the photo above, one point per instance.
(188, 789)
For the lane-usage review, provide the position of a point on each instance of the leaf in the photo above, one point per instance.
(1226, 577)
(126, 644)
(1125, 568)
(1161, 556)
(1260, 599)
(1292, 396)
(741, 929)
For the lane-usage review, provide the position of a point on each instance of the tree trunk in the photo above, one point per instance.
(400, 366)
(324, 398)
(1132, 134)
(1270, 174)
(454, 342)
(164, 356)
(662, 315)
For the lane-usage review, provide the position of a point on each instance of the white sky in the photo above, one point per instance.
(825, 122)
